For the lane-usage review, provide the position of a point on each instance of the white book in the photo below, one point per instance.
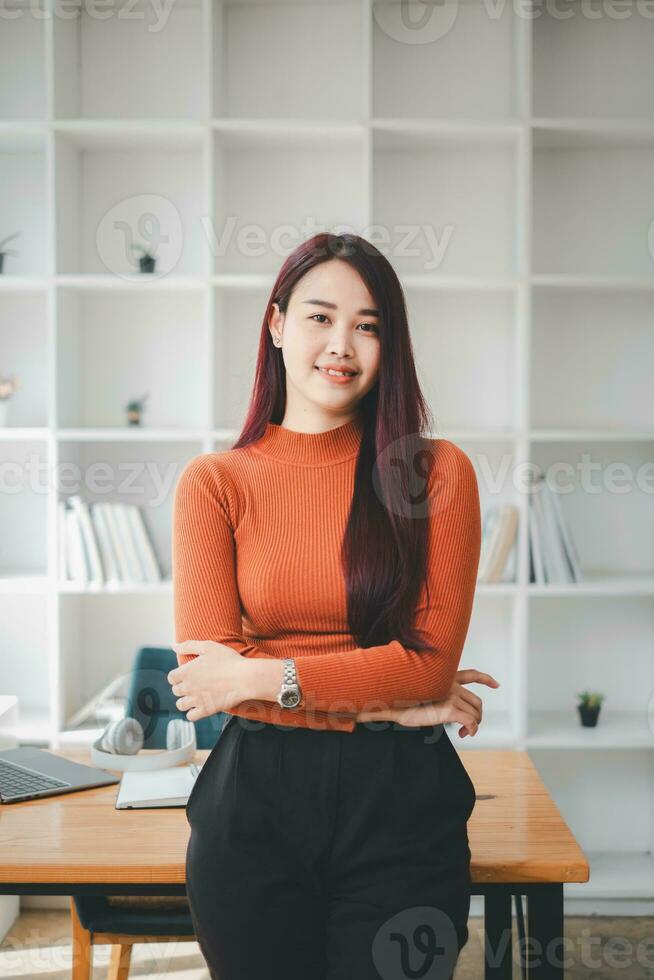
(543, 537)
(143, 544)
(81, 507)
(568, 541)
(75, 549)
(105, 543)
(156, 787)
(534, 541)
(62, 557)
(509, 573)
(136, 574)
(116, 540)
(561, 568)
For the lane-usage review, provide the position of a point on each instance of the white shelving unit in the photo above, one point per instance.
(504, 165)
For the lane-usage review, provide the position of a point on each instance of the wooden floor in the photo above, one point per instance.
(39, 945)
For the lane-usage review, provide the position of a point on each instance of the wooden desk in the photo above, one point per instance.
(79, 843)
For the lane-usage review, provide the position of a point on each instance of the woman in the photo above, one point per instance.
(324, 572)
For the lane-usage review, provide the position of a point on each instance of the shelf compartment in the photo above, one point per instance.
(140, 473)
(604, 486)
(22, 61)
(299, 77)
(22, 200)
(600, 348)
(604, 797)
(580, 229)
(24, 353)
(445, 59)
(23, 517)
(447, 200)
(598, 646)
(116, 346)
(238, 315)
(24, 655)
(115, 189)
(129, 62)
(445, 326)
(603, 63)
(278, 185)
(98, 639)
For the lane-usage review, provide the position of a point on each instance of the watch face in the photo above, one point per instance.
(290, 699)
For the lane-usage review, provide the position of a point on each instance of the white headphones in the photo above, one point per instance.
(121, 741)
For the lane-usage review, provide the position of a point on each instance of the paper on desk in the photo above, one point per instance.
(155, 787)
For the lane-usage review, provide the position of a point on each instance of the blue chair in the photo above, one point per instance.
(121, 921)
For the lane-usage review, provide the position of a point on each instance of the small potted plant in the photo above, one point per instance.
(147, 259)
(7, 388)
(7, 251)
(134, 409)
(589, 706)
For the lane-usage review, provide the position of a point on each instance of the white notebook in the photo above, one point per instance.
(156, 787)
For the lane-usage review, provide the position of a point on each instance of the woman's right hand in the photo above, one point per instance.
(460, 705)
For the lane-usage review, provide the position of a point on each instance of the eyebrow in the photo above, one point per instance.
(333, 306)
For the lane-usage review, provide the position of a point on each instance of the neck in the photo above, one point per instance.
(312, 448)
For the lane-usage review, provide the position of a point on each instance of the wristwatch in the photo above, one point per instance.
(290, 693)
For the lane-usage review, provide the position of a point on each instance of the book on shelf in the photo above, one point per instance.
(498, 545)
(105, 543)
(553, 557)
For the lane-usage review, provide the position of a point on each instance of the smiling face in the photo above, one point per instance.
(330, 321)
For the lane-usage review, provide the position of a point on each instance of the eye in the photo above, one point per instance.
(373, 327)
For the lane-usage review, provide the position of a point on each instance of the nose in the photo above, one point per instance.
(339, 344)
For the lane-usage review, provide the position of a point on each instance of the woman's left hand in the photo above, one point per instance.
(216, 680)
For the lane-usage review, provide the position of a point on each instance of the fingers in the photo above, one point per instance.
(471, 709)
(472, 676)
(467, 720)
(474, 700)
(185, 703)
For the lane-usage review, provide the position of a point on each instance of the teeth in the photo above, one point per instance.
(340, 374)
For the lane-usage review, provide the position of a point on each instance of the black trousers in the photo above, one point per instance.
(328, 855)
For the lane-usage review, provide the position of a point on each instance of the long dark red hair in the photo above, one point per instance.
(384, 548)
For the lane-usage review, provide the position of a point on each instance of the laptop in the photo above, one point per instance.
(28, 773)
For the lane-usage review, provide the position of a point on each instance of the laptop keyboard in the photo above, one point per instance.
(17, 781)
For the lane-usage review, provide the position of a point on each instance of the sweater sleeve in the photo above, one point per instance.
(392, 675)
(206, 602)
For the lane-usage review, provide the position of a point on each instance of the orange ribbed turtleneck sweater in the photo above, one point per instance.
(256, 544)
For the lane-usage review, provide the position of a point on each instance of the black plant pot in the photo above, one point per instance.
(588, 716)
(146, 263)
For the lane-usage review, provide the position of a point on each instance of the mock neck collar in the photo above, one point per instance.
(312, 448)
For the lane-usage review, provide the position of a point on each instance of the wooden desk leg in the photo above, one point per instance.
(120, 961)
(498, 936)
(82, 950)
(545, 933)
